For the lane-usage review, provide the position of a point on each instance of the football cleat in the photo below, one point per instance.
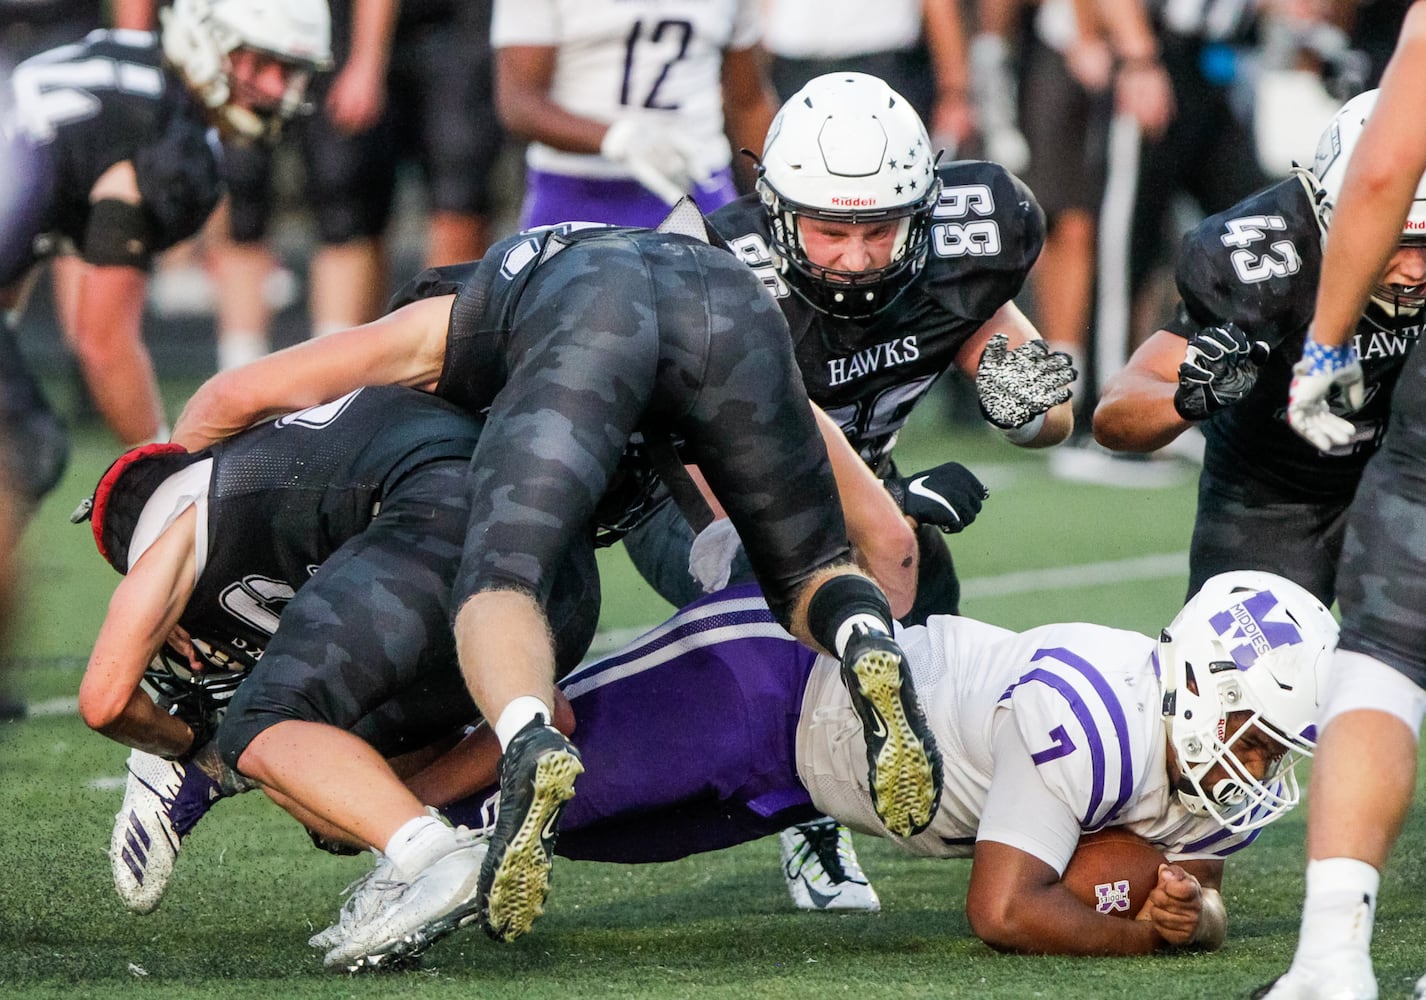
(537, 773)
(364, 897)
(904, 764)
(400, 920)
(821, 869)
(163, 802)
(1346, 976)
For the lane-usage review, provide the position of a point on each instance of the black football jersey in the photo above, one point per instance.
(986, 233)
(286, 495)
(1258, 265)
(73, 112)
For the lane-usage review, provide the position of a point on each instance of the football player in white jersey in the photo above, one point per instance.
(1188, 741)
(626, 104)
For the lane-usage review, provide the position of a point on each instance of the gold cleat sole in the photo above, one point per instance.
(522, 878)
(904, 787)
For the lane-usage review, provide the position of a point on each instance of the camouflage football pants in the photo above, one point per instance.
(1382, 581)
(643, 331)
(366, 646)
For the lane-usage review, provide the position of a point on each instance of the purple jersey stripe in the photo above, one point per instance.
(1098, 749)
(738, 613)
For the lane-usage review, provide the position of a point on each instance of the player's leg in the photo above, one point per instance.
(751, 432)
(1243, 526)
(1364, 769)
(586, 340)
(712, 694)
(350, 184)
(460, 132)
(369, 624)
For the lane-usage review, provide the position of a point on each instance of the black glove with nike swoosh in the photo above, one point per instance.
(948, 496)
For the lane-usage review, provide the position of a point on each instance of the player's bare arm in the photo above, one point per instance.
(1135, 410)
(143, 611)
(1017, 902)
(406, 347)
(523, 75)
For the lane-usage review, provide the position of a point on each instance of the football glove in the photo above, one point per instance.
(1017, 386)
(661, 158)
(948, 496)
(1219, 368)
(1313, 379)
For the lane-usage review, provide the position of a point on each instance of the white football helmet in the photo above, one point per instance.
(1245, 662)
(200, 35)
(1334, 150)
(848, 148)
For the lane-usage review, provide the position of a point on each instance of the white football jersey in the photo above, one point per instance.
(659, 59)
(1085, 700)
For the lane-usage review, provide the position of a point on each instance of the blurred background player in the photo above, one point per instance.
(413, 88)
(916, 46)
(121, 167)
(628, 107)
(1048, 79)
(1248, 277)
(1363, 784)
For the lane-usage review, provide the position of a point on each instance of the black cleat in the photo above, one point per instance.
(537, 775)
(903, 761)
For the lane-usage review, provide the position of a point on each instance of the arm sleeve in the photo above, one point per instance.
(1020, 810)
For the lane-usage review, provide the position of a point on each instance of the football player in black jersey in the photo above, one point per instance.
(1267, 499)
(570, 343)
(106, 151)
(1364, 776)
(890, 269)
(311, 559)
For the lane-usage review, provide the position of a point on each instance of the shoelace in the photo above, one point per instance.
(366, 894)
(821, 842)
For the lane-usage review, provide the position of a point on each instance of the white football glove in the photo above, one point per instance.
(661, 158)
(1313, 379)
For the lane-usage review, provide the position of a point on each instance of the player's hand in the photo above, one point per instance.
(1017, 386)
(1313, 379)
(948, 496)
(661, 158)
(1174, 906)
(1219, 368)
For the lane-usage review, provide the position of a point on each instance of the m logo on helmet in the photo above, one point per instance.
(1249, 633)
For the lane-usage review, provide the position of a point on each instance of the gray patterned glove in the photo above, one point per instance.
(1017, 386)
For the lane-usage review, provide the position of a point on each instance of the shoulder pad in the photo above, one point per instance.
(1256, 264)
(987, 231)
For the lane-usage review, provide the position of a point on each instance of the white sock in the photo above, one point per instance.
(417, 843)
(1339, 909)
(238, 347)
(862, 622)
(517, 716)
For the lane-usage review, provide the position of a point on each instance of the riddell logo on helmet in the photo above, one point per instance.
(1413, 225)
(852, 201)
